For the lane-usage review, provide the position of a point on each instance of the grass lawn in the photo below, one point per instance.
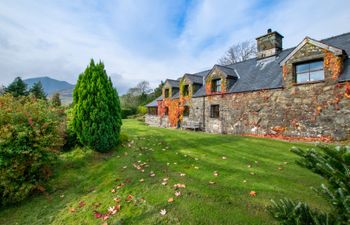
(84, 180)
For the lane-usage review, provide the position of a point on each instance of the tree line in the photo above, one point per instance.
(19, 88)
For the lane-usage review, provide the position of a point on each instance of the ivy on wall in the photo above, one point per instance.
(284, 72)
(333, 63)
(183, 83)
(347, 90)
(175, 108)
(208, 85)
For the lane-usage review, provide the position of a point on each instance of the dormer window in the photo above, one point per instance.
(216, 85)
(186, 90)
(166, 93)
(309, 72)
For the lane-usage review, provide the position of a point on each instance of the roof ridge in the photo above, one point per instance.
(336, 36)
(192, 75)
(171, 79)
(226, 66)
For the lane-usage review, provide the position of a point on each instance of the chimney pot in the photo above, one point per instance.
(269, 30)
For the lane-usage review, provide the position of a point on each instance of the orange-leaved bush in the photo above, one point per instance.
(31, 132)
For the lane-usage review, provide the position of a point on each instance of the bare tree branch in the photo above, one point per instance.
(238, 52)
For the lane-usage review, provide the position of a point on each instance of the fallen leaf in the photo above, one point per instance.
(252, 193)
(249, 166)
(244, 181)
(163, 212)
(216, 173)
(177, 193)
(280, 168)
(182, 174)
(196, 167)
(142, 180)
(120, 185)
(152, 174)
(170, 200)
(98, 215)
(82, 204)
(224, 157)
(164, 183)
(211, 182)
(105, 217)
(72, 210)
(179, 186)
(117, 200)
(129, 198)
(113, 190)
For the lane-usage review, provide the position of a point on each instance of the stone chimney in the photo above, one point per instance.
(269, 44)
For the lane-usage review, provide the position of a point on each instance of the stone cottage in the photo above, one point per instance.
(301, 92)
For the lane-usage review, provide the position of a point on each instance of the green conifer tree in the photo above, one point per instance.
(17, 88)
(55, 100)
(38, 91)
(96, 113)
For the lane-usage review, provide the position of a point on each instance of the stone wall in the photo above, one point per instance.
(311, 110)
(152, 120)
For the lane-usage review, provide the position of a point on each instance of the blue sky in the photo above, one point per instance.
(148, 39)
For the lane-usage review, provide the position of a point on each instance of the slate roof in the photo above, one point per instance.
(197, 79)
(154, 102)
(173, 83)
(254, 74)
(227, 70)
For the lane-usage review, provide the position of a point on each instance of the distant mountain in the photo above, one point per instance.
(52, 86)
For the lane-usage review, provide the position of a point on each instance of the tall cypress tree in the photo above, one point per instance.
(17, 88)
(96, 113)
(38, 91)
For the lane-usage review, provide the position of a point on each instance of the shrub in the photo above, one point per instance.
(96, 109)
(30, 135)
(127, 112)
(141, 110)
(333, 164)
(70, 137)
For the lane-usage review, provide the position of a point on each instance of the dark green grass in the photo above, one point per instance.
(83, 175)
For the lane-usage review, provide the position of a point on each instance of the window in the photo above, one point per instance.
(186, 111)
(311, 71)
(152, 111)
(166, 111)
(214, 111)
(216, 85)
(186, 90)
(166, 93)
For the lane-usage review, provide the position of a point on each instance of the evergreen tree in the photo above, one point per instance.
(38, 91)
(96, 113)
(55, 100)
(17, 88)
(333, 164)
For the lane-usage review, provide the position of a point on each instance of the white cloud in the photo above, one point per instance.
(142, 40)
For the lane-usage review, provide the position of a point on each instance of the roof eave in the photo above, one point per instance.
(334, 50)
